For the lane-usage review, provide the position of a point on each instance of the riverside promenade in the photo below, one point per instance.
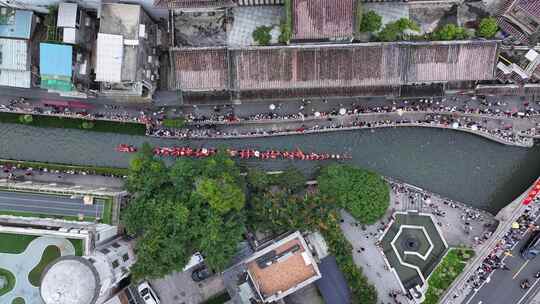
(504, 130)
(460, 289)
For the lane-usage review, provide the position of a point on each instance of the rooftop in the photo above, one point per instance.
(16, 23)
(55, 59)
(70, 280)
(282, 268)
(67, 14)
(201, 69)
(120, 19)
(323, 19)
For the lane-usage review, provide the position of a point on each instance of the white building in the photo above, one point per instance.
(90, 279)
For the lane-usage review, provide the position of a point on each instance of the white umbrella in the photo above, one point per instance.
(342, 111)
(272, 107)
(474, 127)
(455, 125)
(400, 112)
(317, 114)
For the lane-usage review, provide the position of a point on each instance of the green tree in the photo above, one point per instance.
(488, 28)
(451, 32)
(262, 35)
(371, 22)
(26, 119)
(394, 31)
(87, 125)
(195, 205)
(222, 194)
(362, 193)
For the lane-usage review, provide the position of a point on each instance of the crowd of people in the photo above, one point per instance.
(112, 113)
(495, 259)
(226, 114)
(432, 120)
(223, 122)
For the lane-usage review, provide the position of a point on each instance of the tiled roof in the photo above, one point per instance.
(333, 66)
(179, 4)
(532, 7)
(282, 268)
(201, 69)
(362, 65)
(320, 19)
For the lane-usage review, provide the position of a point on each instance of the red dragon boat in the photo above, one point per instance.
(125, 148)
(242, 154)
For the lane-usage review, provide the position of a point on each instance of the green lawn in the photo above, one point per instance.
(14, 243)
(64, 167)
(78, 244)
(446, 272)
(10, 278)
(76, 123)
(50, 254)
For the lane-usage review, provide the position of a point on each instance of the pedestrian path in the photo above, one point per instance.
(21, 264)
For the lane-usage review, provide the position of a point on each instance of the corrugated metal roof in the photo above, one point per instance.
(110, 50)
(201, 69)
(19, 26)
(55, 59)
(332, 285)
(67, 14)
(179, 4)
(362, 64)
(321, 19)
(14, 53)
(530, 6)
(13, 78)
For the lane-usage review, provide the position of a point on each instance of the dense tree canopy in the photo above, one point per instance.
(195, 205)
(262, 35)
(362, 193)
(488, 28)
(450, 32)
(371, 22)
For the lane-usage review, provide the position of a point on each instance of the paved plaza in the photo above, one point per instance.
(22, 264)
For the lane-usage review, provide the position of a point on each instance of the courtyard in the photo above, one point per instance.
(23, 258)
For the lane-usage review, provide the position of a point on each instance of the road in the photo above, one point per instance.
(47, 204)
(503, 286)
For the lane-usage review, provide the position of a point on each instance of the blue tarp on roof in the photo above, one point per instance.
(332, 284)
(55, 59)
(18, 25)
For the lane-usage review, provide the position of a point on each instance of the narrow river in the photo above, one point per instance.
(458, 165)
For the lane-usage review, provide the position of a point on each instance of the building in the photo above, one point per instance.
(127, 58)
(56, 62)
(276, 270)
(521, 19)
(16, 29)
(89, 279)
(369, 69)
(323, 19)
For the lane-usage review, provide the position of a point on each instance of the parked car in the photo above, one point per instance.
(195, 260)
(201, 274)
(532, 247)
(148, 294)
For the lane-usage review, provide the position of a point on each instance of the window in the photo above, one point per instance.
(125, 257)
(116, 245)
(105, 250)
(115, 264)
